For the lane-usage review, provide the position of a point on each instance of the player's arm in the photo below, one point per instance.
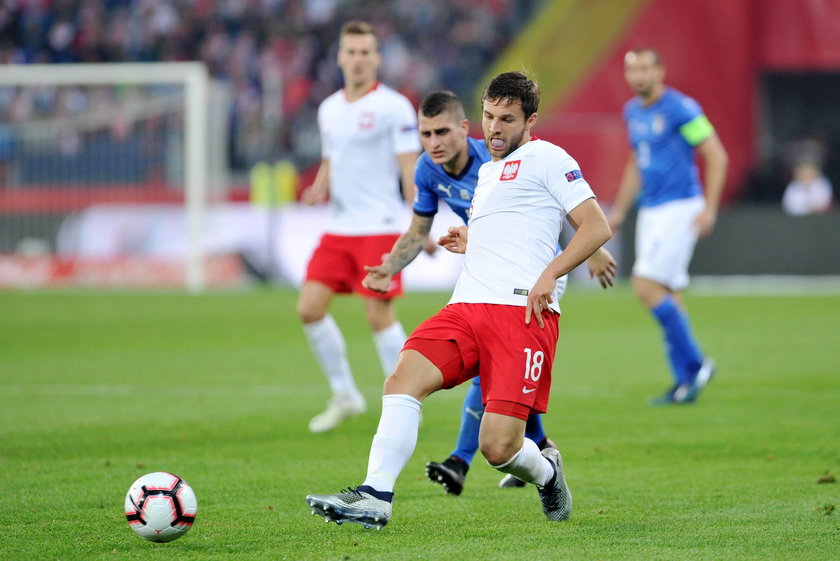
(317, 192)
(592, 232)
(405, 250)
(628, 189)
(407, 161)
(715, 161)
(601, 264)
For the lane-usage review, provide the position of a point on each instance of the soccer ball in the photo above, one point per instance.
(160, 507)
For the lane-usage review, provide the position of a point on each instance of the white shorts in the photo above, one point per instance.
(665, 240)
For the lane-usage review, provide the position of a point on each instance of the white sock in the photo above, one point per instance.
(528, 465)
(394, 441)
(330, 351)
(389, 342)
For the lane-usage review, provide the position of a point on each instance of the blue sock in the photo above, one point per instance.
(684, 354)
(534, 429)
(467, 444)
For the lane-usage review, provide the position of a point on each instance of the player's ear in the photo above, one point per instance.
(531, 120)
(465, 126)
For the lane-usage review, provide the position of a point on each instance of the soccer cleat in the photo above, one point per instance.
(707, 370)
(340, 408)
(555, 495)
(685, 393)
(351, 505)
(511, 481)
(450, 474)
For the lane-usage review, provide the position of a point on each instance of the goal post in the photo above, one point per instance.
(194, 98)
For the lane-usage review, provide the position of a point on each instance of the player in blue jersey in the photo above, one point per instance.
(665, 129)
(448, 171)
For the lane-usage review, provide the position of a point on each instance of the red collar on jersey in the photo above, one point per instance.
(372, 88)
(534, 137)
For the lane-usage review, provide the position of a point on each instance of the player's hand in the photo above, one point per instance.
(431, 247)
(705, 222)
(313, 195)
(378, 278)
(455, 240)
(602, 266)
(539, 298)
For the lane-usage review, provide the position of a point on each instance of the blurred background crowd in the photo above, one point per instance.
(275, 57)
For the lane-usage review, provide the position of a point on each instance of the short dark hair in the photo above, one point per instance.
(513, 86)
(439, 102)
(657, 59)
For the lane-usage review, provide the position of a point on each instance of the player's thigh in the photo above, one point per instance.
(665, 240)
(415, 375)
(313, 301)
(516, 358)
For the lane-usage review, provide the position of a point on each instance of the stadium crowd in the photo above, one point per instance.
(277, 57)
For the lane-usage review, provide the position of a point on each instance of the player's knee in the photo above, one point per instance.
(308, 314)
(497, 452)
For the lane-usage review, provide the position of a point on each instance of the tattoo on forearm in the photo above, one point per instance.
(410, 244)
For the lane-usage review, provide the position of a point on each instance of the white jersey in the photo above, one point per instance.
(515, 220)
(361, 140)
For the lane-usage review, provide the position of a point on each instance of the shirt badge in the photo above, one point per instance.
(510, 170)
(366, 120)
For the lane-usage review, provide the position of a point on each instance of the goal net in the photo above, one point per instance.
(91, 155)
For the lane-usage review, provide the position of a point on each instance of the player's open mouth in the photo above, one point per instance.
(497, 143)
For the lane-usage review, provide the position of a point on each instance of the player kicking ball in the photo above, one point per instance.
(502, 320)
(447, 172)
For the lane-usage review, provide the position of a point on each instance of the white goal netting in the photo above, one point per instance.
(81, 143)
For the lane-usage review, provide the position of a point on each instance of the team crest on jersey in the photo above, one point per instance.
(366, 120)
(657, 126)
(466, 195)
(510, 170)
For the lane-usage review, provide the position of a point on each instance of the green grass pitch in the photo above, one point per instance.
(97, 389)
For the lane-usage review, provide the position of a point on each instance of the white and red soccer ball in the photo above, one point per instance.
(160, 507)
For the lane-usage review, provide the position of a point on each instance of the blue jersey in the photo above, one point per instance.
(663, 136)
(435, 184)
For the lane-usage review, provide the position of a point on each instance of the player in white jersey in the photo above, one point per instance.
(369, 145)
(508, 280)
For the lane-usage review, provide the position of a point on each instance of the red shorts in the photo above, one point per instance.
(513, 359)
(339, 261)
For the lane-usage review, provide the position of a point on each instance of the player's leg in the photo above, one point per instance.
(388, 333)
(665, 243)
(509, 347)
(414, 378)
(330, 350)
(533, 431)
(452, 472)
(505, 447)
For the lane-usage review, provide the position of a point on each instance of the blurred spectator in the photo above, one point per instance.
(809, 192)
(277, 56)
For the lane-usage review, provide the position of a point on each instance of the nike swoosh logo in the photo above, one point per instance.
(526, 390)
